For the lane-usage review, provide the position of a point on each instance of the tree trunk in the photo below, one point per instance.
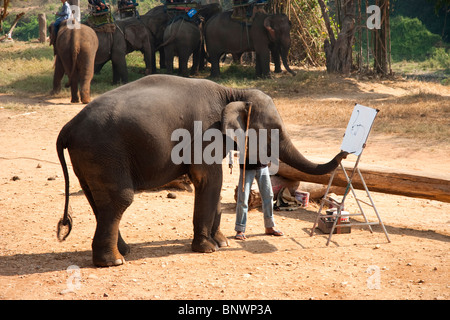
(381, 43)
(42, 27)
(3, 13)
(382, 179)
(338, 51)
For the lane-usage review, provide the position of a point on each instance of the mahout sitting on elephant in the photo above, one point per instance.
(128, 139)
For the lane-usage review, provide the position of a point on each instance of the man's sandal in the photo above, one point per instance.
(240, 236)
(276, 233)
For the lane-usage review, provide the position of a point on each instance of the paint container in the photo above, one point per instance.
(326, 223)
(333, 212)
(302, 197)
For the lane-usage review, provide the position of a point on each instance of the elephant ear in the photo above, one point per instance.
(268, 26)
(51, 27)
(234, 116)
(134, 34)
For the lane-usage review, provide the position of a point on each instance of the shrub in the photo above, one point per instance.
(410, 39)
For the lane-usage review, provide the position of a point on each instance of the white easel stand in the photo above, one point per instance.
(337, 217)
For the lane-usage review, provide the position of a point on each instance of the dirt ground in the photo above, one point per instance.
(161, 265)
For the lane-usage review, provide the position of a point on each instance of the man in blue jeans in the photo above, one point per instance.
(260, 173)
(64, 14)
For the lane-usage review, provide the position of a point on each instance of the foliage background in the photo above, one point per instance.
(419, 30)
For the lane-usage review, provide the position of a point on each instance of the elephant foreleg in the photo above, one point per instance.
(207, 181)
(275, 52)
(263, 63)
(120, 71)
(216, 234)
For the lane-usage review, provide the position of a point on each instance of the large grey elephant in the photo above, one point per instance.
(74, 50)
(129, 35)
(267, 33)
(123, 141)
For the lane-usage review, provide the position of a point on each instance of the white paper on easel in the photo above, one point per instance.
(358, 129)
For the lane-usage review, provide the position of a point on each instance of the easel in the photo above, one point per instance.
(354, 143)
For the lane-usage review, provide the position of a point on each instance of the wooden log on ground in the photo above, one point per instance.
(382, 179)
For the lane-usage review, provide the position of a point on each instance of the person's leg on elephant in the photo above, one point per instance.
(56, 25)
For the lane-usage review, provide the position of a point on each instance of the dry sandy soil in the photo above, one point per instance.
(359, 265)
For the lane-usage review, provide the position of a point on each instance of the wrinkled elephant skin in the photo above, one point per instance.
(122, 142)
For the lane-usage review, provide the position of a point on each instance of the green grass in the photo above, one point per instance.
(312, 97)
(28, 69)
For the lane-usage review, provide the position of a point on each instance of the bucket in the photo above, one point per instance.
(302, 197)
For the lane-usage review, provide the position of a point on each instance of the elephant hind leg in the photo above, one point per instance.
(182, 65)
(108, 245)
(74, 87)
(215, 66)
(57, 76)
(86, 75)
(109, 195)
(123, 247)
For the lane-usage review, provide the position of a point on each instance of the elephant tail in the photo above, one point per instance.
(173, 35)
(65, 224)
(75, 51)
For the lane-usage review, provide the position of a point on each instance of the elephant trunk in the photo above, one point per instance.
(291, 156)
(284, 54)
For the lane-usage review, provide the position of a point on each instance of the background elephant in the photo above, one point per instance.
(129, 35)
(117, 147)
(267, 33)
(183, 39)
(74, 50)
(158, 19)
